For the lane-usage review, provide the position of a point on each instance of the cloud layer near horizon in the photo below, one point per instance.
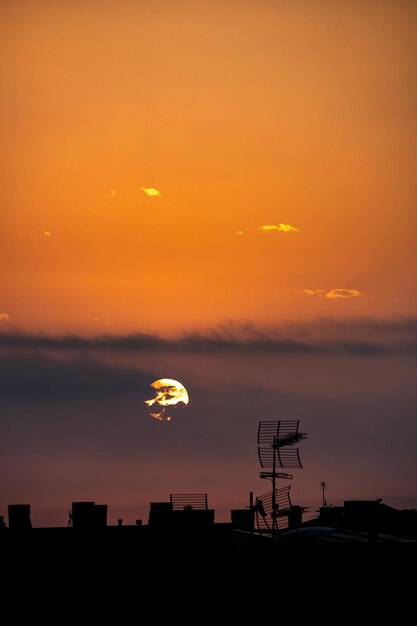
(73, 422)
(363, 337)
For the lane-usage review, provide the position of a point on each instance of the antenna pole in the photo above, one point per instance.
(323, 486)
(275, 450)
(274, 500)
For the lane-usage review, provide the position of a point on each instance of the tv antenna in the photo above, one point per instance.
(277, 450)
(323, 486)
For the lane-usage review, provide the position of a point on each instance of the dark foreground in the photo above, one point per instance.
(215, 575)
(137, 550)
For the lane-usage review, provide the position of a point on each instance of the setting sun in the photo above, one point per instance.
(170, 395)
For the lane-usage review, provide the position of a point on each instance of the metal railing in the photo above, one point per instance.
(189, 501)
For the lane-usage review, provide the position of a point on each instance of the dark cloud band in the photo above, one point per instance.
(28, 376)
(365, 337)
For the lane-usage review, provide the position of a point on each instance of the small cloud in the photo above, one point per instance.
(151, 191)
(333, 293)
(342, 293)
(4, 317)
(283, 228)
(35, 233)
(314, 292)
(288, 228)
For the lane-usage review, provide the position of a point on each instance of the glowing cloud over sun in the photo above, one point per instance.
(170, 396)
(283, 228)
(151, 191)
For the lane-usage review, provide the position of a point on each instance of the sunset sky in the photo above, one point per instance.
(222, 193)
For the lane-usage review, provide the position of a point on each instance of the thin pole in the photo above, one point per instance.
(323, 486)
(274, 503)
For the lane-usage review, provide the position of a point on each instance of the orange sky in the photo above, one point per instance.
(281, 138)
(242, 114)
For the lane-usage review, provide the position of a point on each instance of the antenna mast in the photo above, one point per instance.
(323, 487)
(276, 441)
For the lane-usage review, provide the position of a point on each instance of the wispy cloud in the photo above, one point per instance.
(366, 337)
(35, 233)
(151, 191)
(4, 317)
(332, 293)
(283, 228)
(314, 292)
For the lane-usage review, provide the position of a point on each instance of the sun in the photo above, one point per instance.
(170, 396)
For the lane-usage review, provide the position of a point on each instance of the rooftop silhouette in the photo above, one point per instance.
(183, 528)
